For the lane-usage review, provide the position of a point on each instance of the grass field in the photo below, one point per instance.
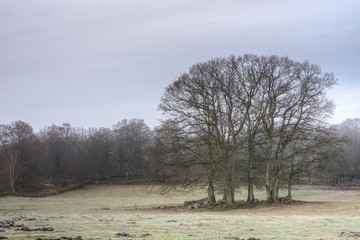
(102, 211)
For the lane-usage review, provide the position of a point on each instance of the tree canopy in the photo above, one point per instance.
(229, 110)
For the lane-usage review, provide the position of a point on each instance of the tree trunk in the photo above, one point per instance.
(231, 187)
(250, 197)
(211, 192)
(126, 170)
(231, 191)
(12, 178)
(277, 183)
(12, 161)
(289, 187)
(276, 189)
(269, 194)
(231, 194)
(225, 195)
(267, 181)
(229, 179)
(291, 174)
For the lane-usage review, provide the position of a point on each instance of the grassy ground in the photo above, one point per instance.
(102, 211)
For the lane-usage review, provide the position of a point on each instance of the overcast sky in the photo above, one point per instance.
(92, 63)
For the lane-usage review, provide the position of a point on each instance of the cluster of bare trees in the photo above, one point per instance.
(62, 154)
(247, 119)
(347, 171)
(242, 120)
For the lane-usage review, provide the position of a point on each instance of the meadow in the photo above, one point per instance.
(141, 212)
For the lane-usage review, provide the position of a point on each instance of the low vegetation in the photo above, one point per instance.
(139, 212)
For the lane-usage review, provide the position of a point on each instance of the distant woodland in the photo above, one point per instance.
(246, 120)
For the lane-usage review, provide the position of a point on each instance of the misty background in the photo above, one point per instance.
(93, 63)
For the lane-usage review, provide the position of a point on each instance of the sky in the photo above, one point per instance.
(92, 63)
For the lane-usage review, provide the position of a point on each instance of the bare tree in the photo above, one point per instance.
(132, 139)
(12, 162)
(18, 145)
(295, 102)
(100, 144)
(307, 152)
(191, 161)
(57, 145)
(209, 104)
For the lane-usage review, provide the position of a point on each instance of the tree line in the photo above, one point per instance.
(246, 120)
(62, 154)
